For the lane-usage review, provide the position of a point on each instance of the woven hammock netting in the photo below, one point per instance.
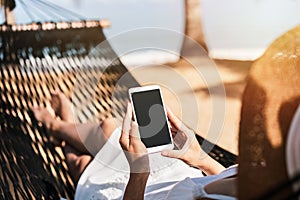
(37, 58)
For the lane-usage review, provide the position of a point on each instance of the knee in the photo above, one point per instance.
(109, 125)
(76, 162)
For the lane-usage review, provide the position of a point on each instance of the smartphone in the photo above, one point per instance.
(150, 113)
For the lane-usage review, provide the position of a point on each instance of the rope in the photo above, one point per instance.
(43, 10)
(25, 8)
(60, 9)
(50, 12)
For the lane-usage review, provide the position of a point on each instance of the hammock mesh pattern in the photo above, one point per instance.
(34, 61)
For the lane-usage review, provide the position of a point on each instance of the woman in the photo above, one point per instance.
(109, 162)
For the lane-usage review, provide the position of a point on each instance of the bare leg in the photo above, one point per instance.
(82, 140)
(78, 155)
(85, 138)
(77, 162)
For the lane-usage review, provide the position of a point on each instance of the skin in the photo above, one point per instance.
(136, 154)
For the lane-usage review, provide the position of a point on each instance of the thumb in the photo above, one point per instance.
(134, 132)
(171, 153)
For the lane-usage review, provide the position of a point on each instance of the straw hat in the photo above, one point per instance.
(270, 99)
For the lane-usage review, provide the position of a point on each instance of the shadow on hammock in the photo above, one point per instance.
(26, 166)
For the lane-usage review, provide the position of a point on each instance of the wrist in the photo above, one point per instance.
(209, 166)
(140, 176)
(140, 165)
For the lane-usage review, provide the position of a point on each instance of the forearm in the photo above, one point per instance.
(135, 188)
(209, 166)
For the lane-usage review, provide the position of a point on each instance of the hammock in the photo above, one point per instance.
(35, 59)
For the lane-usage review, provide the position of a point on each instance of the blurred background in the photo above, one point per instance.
(232, 29)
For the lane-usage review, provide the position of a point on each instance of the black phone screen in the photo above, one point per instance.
(151, 118)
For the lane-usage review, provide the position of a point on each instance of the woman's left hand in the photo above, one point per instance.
(135, 151)
(189, 149)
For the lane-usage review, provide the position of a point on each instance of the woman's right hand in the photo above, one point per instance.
(189, 149)
(137, 157)
(134, 149)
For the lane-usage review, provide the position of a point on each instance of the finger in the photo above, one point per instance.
(190, 138)
(134, 132)
(171, 153)
(134, 137)
(127, 120)
(124, 139)
(173, 129)
(173, 119)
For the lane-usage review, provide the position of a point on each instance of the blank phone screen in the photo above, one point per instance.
(151, 118)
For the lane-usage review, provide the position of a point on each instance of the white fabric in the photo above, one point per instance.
(107, 175)
(293, 149)
(194, 188)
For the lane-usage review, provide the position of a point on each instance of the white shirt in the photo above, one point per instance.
(107, 175)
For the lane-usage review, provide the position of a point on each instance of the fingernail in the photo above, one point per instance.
(164, 153)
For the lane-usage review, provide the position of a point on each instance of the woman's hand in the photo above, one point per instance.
(137, 157)
(135, 151)
(189, 149)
